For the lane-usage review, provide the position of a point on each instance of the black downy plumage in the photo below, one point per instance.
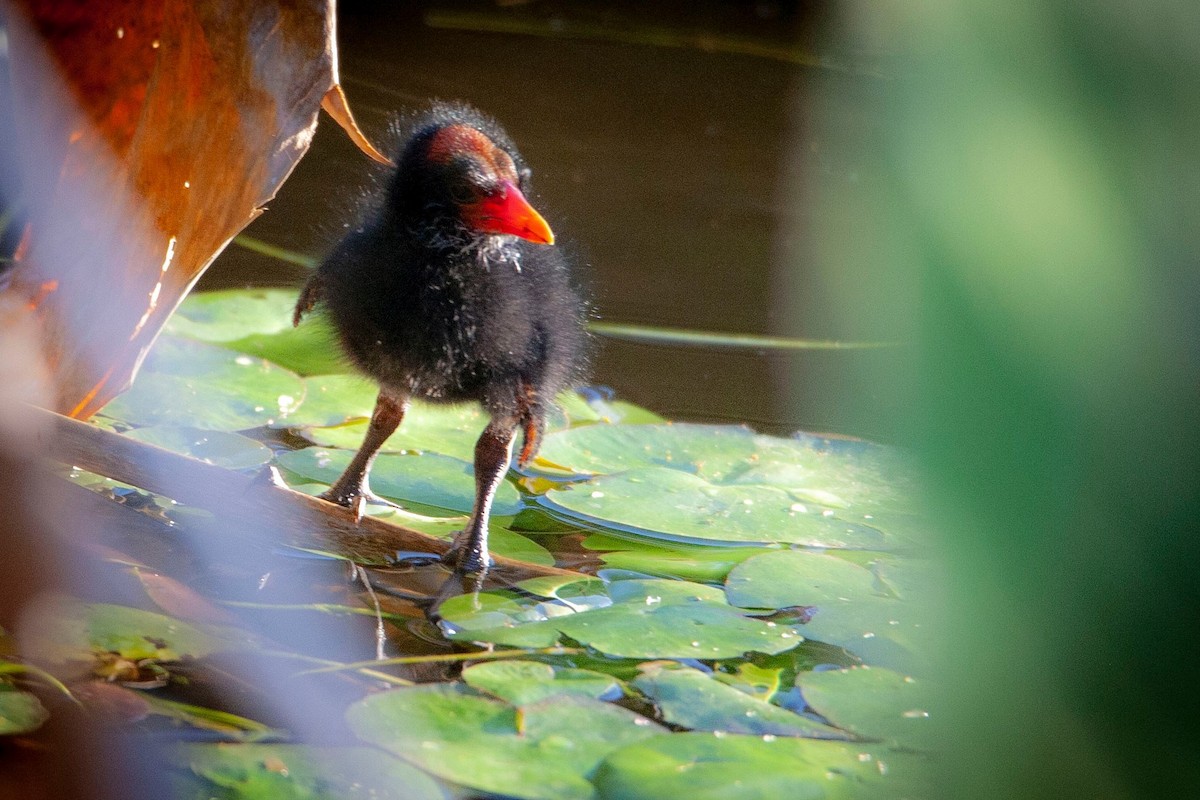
(449, 290)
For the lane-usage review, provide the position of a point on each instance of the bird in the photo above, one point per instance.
(450, 289)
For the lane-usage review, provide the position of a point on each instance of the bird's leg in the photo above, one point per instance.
(469, 552)
(533, 422)
(351, 489)
(534, 426)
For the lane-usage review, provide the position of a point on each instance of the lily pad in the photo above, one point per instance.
(591, 405)
(430, 480)
(501, 541)
(544, 751)
(258, 322)
(229, 450)
(197, 385)
(692, 699)
(679, 506)
(799, 578)
(705, 564)
(874, 703)
(525, 682)
(333, 400)
(712, 450)
(645, 619)
(427, 427)
(704, 766)
(499, 618)
(852, 609)
(694, 631)
(451, 430)
(75, 632)
(295, 772)
(725, 484)
(232, 314)
(515, 617)
(751, 679)
(20, 712)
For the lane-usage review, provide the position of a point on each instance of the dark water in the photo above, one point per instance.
(666, 169)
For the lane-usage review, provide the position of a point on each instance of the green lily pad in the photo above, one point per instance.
(713, 450)
(430, 480)
(873, 703)
(535, 520)
(852, 608)
(562, 587)
(799, 578)
(692, 699)
(501, 540)
(705, 766)
(77, 632)
(506, 617)
(295, 772)
(497, 617)
(645, 619)
(20, 712)
(656, 591)
(333, 400)
(525, 682)
(751, 679)
(691, 563)
(681, 507)
(699, 630)
(197, 385)
(544, 751)
(258, 322)
(229, 450)
(232, 314)
(576, 409)
(451, 430)
(725, 484)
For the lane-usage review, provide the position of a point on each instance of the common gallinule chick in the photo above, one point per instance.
(448, 291)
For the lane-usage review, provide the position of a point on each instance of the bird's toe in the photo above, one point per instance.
(356, 499)
(467, 557)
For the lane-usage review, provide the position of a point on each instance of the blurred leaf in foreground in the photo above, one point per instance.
(1029, 205)
(148, 135)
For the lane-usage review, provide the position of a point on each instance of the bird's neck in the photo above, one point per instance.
(444, 240)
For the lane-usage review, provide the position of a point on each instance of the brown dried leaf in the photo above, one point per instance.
(151, 133)
(336, 106)
(181, 601)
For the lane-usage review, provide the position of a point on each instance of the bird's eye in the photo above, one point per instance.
(461, 191)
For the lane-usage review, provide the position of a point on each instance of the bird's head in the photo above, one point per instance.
(452, 173)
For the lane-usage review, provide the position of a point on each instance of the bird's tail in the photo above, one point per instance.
(310, 295)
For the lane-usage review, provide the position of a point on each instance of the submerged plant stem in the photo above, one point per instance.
(274, 251)
(493, 655)
(653, 334)
(14, 668)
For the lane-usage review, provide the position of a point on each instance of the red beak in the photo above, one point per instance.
(507, 211)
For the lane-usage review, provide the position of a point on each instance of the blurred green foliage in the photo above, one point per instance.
(1027, 215)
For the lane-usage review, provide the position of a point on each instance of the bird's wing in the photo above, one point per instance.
(310, 295)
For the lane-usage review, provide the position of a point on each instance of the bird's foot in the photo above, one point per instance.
(469, 553)
(356, 499)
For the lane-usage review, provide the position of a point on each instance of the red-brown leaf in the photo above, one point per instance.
(151, 133)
